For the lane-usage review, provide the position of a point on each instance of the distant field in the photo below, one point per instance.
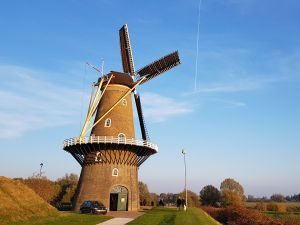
(253, 204)
(170, 216)
(291, 210)
(285, 216)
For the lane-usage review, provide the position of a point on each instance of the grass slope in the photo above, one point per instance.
(170, 216)
(19, 202)
(20, 205)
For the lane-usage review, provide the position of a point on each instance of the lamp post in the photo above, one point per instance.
(41, 166)
(184, 153)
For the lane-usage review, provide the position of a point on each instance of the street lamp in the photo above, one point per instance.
(41, 166)
(184, 153)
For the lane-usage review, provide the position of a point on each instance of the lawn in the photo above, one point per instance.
(64, 219)
(170, 216)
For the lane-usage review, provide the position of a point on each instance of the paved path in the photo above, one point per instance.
(121, 218)
(117, 221)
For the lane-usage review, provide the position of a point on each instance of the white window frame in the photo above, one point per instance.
(98, 157)
(113, 172)
(124, 102)
(122, 137)
(107, 122)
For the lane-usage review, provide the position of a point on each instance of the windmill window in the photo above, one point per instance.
(124, 102)
(107, 122)
(122, 137)
(98, 157)
(115, 172)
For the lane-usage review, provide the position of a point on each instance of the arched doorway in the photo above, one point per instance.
(118, 199)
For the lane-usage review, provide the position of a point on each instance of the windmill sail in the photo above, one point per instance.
(159, 66)
(144, 132)
(126, 54)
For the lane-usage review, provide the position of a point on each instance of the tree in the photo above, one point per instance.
(277, 198)
(209, 195)
(68, 180)
(232, 193)
(192, 198)
(169, 198)
(68, 185)
(145, 197)
(154, 199)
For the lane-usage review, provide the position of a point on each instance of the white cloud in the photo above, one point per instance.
(29, 102)
(158, 108)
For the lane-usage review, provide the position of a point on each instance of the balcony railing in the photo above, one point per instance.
(108, 140)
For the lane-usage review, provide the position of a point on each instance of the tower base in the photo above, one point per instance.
(115, 185)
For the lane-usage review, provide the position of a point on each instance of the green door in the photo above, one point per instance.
(122, 201)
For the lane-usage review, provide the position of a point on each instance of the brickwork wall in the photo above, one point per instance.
(96, 183)
(96, 180)
(121, 116)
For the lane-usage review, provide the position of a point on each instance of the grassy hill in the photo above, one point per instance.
(20, 205)
(19, 202)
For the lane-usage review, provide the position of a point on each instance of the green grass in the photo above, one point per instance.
(64, 219)
(170, 216)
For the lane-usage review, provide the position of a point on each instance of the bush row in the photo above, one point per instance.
(237, 215)
(276, 207)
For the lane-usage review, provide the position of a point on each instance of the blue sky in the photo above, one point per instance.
(242, 121)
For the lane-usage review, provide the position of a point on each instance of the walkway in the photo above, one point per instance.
(121, 218)
(117, 221)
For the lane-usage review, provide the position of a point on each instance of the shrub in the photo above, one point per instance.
(237, 215)
(275, 207)
(291, 208)
(217, 213)
(261, 206)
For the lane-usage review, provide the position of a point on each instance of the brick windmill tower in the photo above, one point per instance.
(107, 148)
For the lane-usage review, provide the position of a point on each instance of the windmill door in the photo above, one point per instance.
(118, 199)
(122, 202)
(113, 204)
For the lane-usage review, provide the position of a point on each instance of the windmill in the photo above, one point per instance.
(106, 148)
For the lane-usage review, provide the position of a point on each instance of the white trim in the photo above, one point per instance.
(98, 157)
(113, 172)
(122, 137)
(107, 122)
(124, 102)
(107, 139)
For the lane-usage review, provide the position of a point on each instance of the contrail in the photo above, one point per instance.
(197, 44)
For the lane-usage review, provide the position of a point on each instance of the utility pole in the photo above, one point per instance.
(41, 166)
(184, 153)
